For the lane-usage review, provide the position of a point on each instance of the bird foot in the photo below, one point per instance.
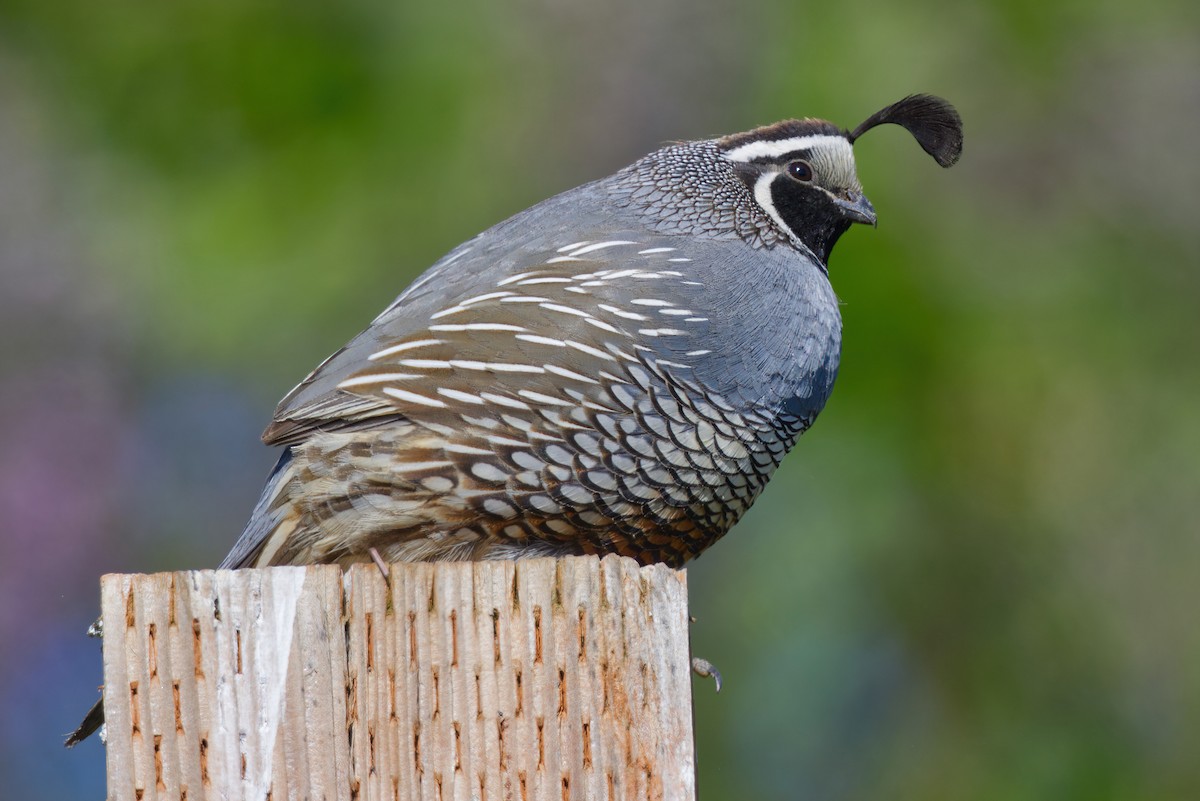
(705, 669)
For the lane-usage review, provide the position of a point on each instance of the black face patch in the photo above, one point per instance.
(809, 213)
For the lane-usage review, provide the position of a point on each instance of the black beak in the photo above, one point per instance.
(857, 208)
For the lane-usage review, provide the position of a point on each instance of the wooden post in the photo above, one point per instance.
(528, 680)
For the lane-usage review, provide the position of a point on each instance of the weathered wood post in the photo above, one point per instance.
(528, 680)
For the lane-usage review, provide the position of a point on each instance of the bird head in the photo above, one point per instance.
(802, 172)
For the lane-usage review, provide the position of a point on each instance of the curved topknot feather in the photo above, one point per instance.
(932, 121)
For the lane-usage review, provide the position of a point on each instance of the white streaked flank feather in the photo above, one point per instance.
(392, 350)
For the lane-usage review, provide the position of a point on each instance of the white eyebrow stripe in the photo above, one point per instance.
(403, 346)
(601, 246)
(765, 149)
(375, 378)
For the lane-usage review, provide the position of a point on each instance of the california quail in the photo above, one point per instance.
(618, 369)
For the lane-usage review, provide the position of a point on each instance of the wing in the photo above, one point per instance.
(568, 315)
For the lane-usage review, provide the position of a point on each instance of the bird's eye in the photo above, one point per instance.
(800, 170)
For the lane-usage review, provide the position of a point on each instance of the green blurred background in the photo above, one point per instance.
(977, 576)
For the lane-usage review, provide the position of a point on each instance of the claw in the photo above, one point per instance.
(706, 669)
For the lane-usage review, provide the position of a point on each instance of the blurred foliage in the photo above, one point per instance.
(976, 576)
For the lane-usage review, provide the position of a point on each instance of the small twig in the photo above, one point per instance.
(378, 560)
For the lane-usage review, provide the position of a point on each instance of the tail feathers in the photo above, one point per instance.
(268, 525)
(92, 721)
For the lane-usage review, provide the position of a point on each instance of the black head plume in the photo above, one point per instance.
(933, 122)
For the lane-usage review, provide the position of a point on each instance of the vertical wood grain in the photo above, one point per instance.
(535, 679)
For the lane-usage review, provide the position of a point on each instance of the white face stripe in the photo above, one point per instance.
(762, 194)
(774, 149)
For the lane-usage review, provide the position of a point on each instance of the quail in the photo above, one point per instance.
(618, 369)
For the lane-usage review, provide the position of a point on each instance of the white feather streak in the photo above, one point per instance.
(563, 309)
(456, 447)
(426, 364)
(628, 315)
(599, 354)
(538, 397)
(600, 246)
(403, 346)
(465, 397)
(512, 279)
(503, 400)
(540, 340)
(565, 373)
(375, 378)
(476, 327)
(413, 397)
